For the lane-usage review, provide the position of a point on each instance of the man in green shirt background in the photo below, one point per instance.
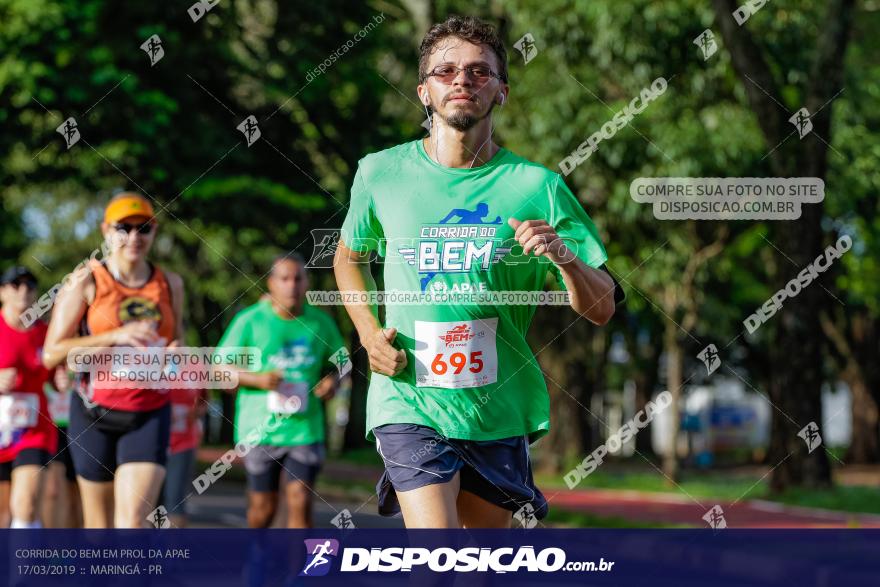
(456, 395)
(280, 403)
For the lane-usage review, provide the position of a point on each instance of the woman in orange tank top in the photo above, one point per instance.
(121, 301)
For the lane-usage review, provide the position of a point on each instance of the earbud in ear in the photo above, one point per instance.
(502, 98)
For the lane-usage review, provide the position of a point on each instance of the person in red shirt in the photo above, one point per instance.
(62, 506)
(188, 406)
(28, 437)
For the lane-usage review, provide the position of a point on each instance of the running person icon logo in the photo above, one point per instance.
(459, 334)
(526, 516)
(159, 517)
(801, 121)
(526, 45)
(343, 520)
(715, 518)
(342, 361)
(326, 241)
(706, 42)
(153, 48)
(250, 130)
(710, 357)
(810, 435)
(317, 561)
(70, 131)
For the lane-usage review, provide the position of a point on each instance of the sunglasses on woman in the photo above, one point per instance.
(145, 228)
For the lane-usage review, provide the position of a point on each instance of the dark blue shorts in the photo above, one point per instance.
(63, 455)
(264, 464)
(102, 439)
(498, 471)
(28, 456)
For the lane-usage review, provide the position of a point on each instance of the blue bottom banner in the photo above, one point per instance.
(658, 558)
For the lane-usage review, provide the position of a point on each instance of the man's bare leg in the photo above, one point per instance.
(55, 506)
(136, 488)
(74, 517)
(24, 498)
(476, 512)
(261, 508)
(299, 504)
(5, 518)
(97, 503)
(431, 506)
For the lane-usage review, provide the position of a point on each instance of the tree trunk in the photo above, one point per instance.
(795, 388)
(566, 442)
(674, 369)
(864, 343)
(857, 352)
(864, 447)
(593, 365)
(645, 376)
(797, 347)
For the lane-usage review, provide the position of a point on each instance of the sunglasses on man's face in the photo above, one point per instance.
(125, 227)
(447, 73)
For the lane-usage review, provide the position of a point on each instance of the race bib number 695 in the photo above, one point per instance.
(456, 354)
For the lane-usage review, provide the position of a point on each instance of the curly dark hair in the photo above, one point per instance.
(468, 28)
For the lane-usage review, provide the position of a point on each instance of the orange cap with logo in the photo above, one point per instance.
(125, 205)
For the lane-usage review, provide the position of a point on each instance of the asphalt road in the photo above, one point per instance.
(223, 505)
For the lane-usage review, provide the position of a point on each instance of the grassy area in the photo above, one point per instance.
(354, 488)
(856, 499)
(730, 486)
(716, 484)
(361, 456)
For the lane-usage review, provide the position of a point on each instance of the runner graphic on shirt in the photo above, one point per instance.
(471, 217)
(430, 250)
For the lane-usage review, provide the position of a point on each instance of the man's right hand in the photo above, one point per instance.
(7, 378)
(270, 380)
(137, 334)
(385, 358)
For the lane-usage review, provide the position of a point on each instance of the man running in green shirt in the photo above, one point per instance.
(456, 395)
(280, 402)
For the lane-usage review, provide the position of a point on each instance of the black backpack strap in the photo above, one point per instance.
(619, 294)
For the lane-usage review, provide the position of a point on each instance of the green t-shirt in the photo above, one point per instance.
(470, 372)
(302, 349)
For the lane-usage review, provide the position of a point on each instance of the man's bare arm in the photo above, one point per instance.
(352, 271)
(591, 290)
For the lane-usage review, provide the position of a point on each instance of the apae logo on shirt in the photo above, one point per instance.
(294, 354)
(456, 247)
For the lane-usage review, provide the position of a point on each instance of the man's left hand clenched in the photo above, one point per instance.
(539, 238)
